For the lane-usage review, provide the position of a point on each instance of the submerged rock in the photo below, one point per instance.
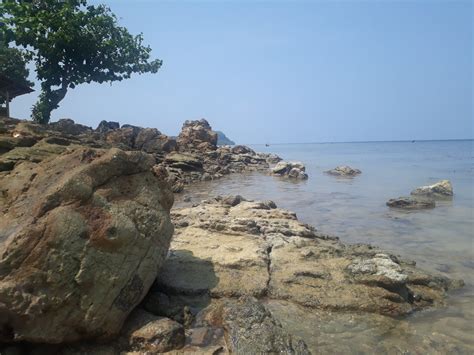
(83, 233)
(409, 203)
(344, 171)
(442, 188)
(295, 170)
(250, 328)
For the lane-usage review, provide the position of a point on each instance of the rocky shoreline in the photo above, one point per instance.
(93, 259)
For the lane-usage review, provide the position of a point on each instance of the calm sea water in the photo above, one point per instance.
(440, 240)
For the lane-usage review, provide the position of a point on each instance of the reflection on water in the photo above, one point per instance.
(440, 240)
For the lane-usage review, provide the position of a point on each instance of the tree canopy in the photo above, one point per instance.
(72, 43)
(13, 66)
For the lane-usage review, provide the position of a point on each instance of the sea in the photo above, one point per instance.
(354, 209)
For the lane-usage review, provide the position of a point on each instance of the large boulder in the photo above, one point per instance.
(442, 188)
(82, 236)
(197, 135)
(294, 170)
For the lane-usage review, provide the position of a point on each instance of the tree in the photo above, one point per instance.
(13, 66)
(72, 43)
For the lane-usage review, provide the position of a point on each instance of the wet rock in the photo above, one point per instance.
(250, 328)
(232, 200)
(82, 234)
(295, 170)
(344, 171)
(147, 333)
(442, 188)
(409, 203)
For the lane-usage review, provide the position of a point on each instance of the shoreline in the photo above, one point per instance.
(250, 233)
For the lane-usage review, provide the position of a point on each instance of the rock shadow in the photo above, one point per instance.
(183, 286)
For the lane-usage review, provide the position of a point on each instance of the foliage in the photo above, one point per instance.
(72, 43)
(13, 66)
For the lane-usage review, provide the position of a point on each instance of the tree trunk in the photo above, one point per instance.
(48, 101)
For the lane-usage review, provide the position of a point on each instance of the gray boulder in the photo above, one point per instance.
(344, 171)
(442, 188)
(294, 170)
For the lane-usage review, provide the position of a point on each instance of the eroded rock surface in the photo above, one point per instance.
(197, 135)
(83, 232)
(231, 248)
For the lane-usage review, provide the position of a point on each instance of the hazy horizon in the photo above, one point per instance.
(293, 72)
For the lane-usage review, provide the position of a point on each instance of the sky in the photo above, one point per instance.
(292, 71)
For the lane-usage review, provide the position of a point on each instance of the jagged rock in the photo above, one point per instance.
(409, 203)
(122, 137)
(442, 188)
(344, 171)
(105, 126)
(197, 135)
(145, 139)
(295, 170)
(68, 126)
(82, 235)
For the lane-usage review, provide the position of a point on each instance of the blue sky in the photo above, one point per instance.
(293, 71)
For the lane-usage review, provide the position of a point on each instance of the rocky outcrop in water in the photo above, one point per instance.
(293, 170)
(410, 203)
(83, 232)
(441, 189)
(230, 252)
(343, 171)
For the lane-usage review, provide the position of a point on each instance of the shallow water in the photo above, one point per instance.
(440, 240)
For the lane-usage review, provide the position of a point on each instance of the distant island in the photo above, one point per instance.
(222, 139)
